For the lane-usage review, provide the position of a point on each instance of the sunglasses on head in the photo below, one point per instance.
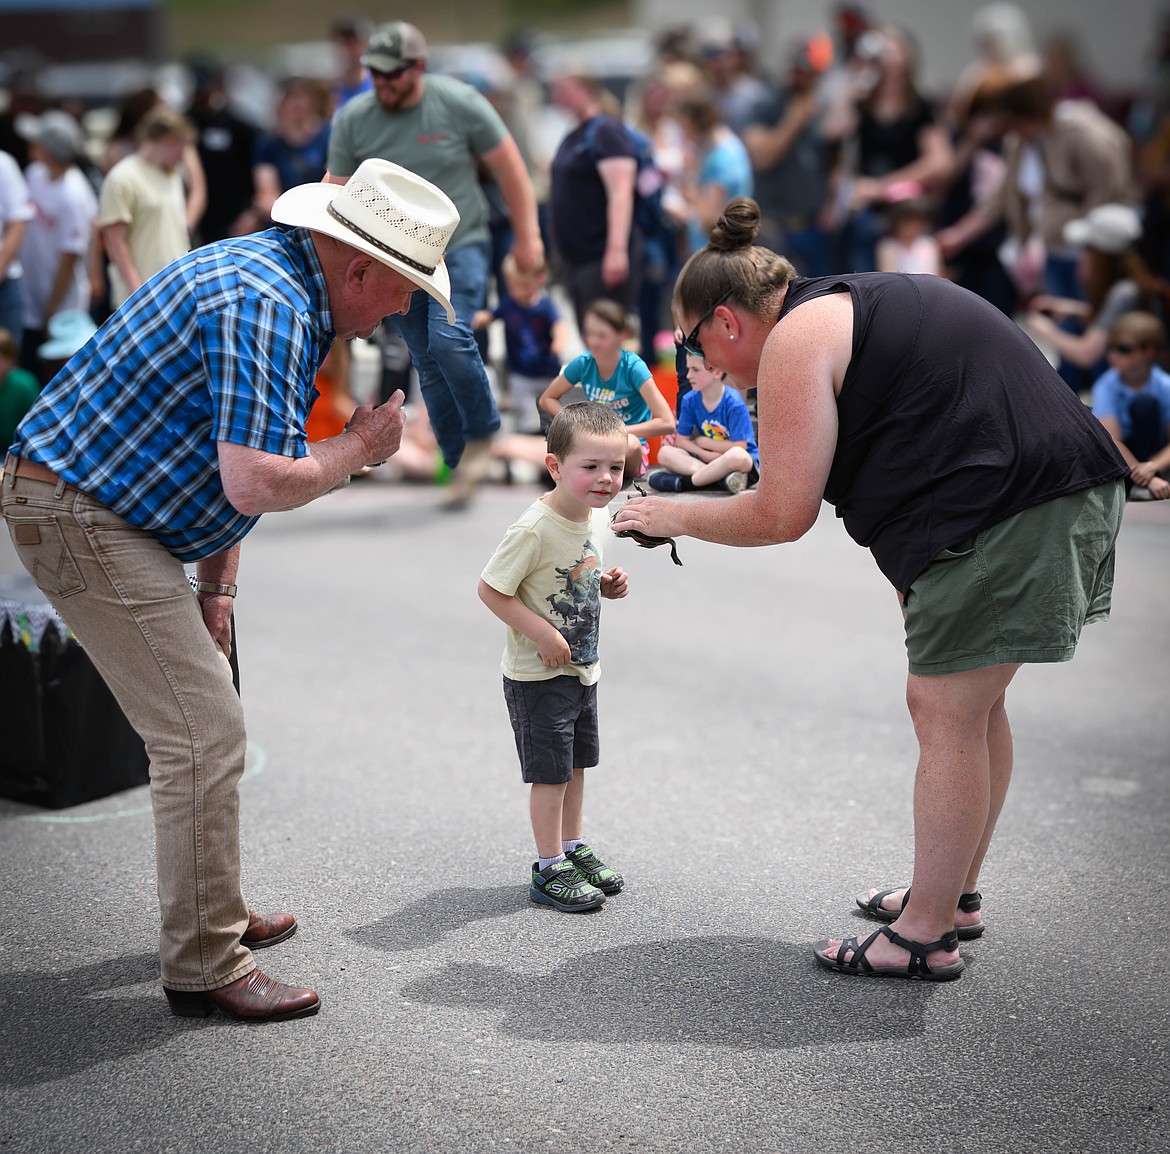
(394, 73)
(691, 344)
(1121, 347)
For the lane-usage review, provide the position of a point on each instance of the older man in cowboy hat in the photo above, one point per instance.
(161, 442)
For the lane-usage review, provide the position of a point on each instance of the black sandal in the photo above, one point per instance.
(917, 967)
(969, 903)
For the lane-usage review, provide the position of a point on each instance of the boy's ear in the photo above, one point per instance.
(553, 466)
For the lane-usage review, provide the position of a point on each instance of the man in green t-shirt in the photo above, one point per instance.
(443, 129)
(18, 389)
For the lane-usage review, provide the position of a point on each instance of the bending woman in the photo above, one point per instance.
(987, 493)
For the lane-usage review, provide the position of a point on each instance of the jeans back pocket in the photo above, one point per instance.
(41, 546)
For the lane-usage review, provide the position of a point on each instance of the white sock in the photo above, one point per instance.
(572, 843)
(545, 862)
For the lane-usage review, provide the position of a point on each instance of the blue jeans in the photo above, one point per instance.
(809, 250)
(451, 375)
(1061, 280)
(1147, 434)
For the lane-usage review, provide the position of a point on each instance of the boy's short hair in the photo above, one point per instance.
(161, 122)
(1138, 328)
(582, 418)
(9, 349)
(718, 372)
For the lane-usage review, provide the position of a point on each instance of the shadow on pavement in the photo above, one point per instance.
(55, 1025)
(713, 991)
(426, 921)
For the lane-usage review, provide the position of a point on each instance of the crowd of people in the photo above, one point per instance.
(211, 273)
(1027, 182)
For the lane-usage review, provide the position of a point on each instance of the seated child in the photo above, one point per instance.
(716, 444)
(909, 244)
(545, 581)
(18, 389)
(535, 339)
(1132, 401)
(613, 376)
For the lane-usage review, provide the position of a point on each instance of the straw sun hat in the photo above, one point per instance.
(386, 211)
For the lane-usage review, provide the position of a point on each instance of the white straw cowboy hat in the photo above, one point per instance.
(384, 210)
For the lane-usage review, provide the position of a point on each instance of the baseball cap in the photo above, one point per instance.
(56, 132)
(392, 45)
(814, 54)
(1109, 228)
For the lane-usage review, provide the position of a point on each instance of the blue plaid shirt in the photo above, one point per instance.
(222, 345)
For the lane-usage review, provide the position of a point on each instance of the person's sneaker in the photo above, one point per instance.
(564, 886)
(735, 482)
(594, 870)
(665, 482)
(473, 467)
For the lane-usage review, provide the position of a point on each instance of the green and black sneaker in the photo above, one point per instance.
(564, 886)
(596, 872)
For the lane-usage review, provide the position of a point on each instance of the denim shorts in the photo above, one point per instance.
(1019, 591)
(555, 723)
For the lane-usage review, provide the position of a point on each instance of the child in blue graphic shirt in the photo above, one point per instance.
(535, 339)
(1132, 401)
(617, 378)
(716, 443)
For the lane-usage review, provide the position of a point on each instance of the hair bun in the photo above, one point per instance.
(738, 227)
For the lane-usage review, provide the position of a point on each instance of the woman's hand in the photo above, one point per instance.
(652, 516)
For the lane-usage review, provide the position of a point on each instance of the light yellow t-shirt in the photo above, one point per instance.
(152, 203)
(554, 566)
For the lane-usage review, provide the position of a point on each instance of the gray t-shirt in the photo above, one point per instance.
(439, 138)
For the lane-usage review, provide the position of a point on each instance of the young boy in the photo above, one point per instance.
(1132, 401)
(535, 339)
(716, 444)
(545, 582)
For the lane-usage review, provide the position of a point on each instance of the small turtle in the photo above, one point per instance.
(640, 538)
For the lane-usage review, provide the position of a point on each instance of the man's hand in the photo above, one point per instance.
(379, 429)
(615, 267)
(528, 252)
(217, 616)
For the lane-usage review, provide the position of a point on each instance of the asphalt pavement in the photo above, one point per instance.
(757, 763)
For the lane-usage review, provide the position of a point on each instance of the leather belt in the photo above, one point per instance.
(33, 471)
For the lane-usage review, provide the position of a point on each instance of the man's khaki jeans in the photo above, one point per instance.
(130, 606)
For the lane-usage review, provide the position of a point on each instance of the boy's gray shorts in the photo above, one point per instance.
(555, 723)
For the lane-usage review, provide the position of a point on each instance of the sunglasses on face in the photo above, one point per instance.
(691, 343)
(1122, 348)
(394, 73)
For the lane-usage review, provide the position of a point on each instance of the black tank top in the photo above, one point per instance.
(950, 420)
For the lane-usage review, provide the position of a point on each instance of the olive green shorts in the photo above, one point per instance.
(1020, 591)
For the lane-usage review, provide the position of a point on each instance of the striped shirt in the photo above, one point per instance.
(221, 345)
